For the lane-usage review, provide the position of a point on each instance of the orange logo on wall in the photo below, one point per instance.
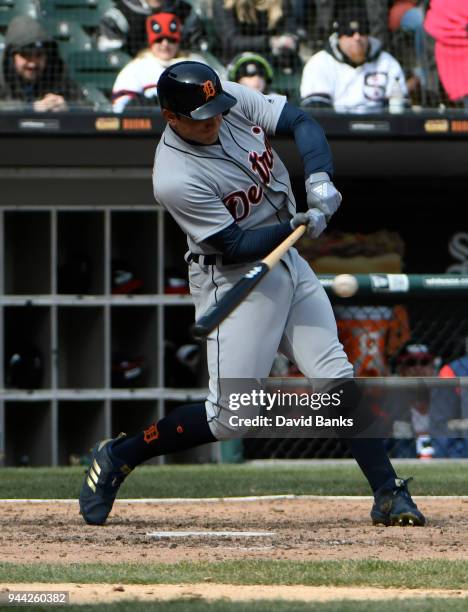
(209, 90)
(151, 434)
(136, 123)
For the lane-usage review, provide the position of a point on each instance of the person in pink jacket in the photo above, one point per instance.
(447, 22)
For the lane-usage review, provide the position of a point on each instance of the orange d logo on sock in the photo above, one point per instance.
(151, 434)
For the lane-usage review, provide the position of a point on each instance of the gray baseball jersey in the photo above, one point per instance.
(241, 178)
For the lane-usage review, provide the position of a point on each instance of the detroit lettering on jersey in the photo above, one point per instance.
(241, 177)
(239, 202)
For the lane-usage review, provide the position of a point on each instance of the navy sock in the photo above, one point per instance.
(369, 453)
(183, 428)
(373, 460)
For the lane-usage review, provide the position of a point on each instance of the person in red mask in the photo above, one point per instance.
(136, 84)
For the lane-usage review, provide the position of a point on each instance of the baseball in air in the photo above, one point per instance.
(345, 285)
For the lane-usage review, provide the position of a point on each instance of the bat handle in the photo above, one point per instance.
(238, 292)
(273, 258)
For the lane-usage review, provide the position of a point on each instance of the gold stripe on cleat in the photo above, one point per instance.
(91, 484)
(93, 476)
(96, 467)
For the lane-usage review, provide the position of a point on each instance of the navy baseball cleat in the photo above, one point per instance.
(393, 505)
(102, 481)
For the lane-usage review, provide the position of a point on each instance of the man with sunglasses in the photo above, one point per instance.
(415, 361)
(352, 73)
(32, 72)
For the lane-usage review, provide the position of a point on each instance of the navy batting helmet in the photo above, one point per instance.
(193, 89)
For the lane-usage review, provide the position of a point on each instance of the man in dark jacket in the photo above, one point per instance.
(32, 72)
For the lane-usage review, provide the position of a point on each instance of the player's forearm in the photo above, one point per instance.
(242, 246)
(310, 139)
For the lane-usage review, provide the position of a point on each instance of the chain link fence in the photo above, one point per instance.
(388, 333)
(92, 45)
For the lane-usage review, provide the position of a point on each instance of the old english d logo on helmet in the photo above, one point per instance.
(209, 90)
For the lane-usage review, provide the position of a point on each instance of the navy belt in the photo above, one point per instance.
(209, 260)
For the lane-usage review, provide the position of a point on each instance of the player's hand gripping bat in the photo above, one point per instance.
(216, 314)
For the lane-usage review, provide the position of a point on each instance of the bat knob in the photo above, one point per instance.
(198, 332)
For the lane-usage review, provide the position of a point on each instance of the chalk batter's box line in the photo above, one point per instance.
(213, 500)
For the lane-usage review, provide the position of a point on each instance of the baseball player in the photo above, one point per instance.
(217, 174)
(352, 73)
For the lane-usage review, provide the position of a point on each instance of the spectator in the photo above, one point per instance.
(124, 25)
(252, 70)
(414, 361)
(325, 13)
(447, 22)
(450, 404)
(352, 73)
(263, 26)
(32, 72)
(136, 83)
(408, 16)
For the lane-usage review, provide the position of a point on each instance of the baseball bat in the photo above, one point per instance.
(216, 314)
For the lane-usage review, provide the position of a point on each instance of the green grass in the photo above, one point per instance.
(195, 605)
(232, 480)
(439, 573)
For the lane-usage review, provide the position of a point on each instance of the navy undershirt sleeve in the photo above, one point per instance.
(241, 246)
(310, 139)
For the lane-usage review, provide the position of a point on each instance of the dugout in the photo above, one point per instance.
(79, 185)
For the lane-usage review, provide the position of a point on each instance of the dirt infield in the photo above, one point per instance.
(300, 530)
(98, 593)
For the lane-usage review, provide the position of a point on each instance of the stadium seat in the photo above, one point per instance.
(12, 8)
(98, 68)
(69, 36)
(87, 13)
(211, 33)
(287, 84)
(204, 10)
(99, 101)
